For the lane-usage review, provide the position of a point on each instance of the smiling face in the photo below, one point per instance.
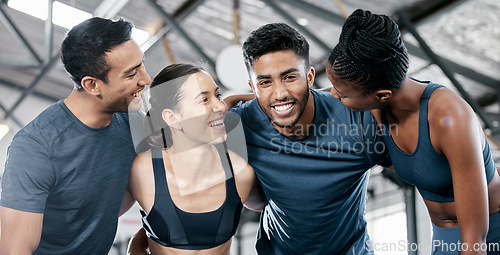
(126, 79)
(281, 82)
(200, 115)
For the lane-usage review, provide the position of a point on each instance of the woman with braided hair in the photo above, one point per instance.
(434, 138)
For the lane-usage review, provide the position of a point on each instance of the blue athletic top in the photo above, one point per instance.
(424, 168)
(315, 187)
(172, 227)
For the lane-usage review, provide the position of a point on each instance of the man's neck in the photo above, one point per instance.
(87, 110)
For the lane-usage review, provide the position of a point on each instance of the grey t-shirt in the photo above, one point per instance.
(75, 175)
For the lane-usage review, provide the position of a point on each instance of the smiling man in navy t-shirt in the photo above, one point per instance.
(311, 153)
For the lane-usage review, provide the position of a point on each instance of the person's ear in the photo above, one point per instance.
(254, 89)
(310, 77)
(383, 95)
(91, 85)
(171, 118)
(252, 77)
(250, 84)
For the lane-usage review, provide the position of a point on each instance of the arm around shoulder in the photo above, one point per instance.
(138, 244)
(232, 100)
(140, 166)
(248, 185)
(327, 89)
(141, 181)
(20, 231)
(255, 200)
(127, 203)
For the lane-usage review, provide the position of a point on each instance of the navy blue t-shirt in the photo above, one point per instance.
(73, 174)
(315, 187)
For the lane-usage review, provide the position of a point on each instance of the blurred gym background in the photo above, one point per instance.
(454, 43)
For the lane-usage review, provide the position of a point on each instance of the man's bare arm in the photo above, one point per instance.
(20, 231)
(138, 244)
(234, 99)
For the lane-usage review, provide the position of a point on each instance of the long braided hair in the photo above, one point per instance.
(370, 52)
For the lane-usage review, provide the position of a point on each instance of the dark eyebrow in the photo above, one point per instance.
(260, 77)
(132, 69)
(135, 67)
(266, 76)
(206, 92)
(291, 70)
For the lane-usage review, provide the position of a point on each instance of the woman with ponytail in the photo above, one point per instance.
(434, 138)
(190, 187)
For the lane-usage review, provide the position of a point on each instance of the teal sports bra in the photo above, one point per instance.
(424, 168)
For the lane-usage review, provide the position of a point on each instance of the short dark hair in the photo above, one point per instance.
(166, 92)
(271, 38)
(83, 51)
(370, 52)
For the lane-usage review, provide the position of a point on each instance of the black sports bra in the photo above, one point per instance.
(170, 226)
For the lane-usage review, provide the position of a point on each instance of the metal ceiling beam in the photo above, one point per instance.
(182, 12)
(236, 21)
(16, 62)
(294, 23)
(155, 38)
(172, 22)
(454, 67)
(109, 8)
(16, 33)
(422, 9)
(12, 117)
(459, 69)
(49, 31)
(412, 49)
(318, 11)
(13, 85)
(45, 70)
(175, 25)
(185, 7)
(405, 21)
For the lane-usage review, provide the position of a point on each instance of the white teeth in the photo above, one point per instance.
(282, 107)
(216, 122)
(136, 94)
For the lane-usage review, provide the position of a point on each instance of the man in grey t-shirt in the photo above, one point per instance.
(67, 171)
